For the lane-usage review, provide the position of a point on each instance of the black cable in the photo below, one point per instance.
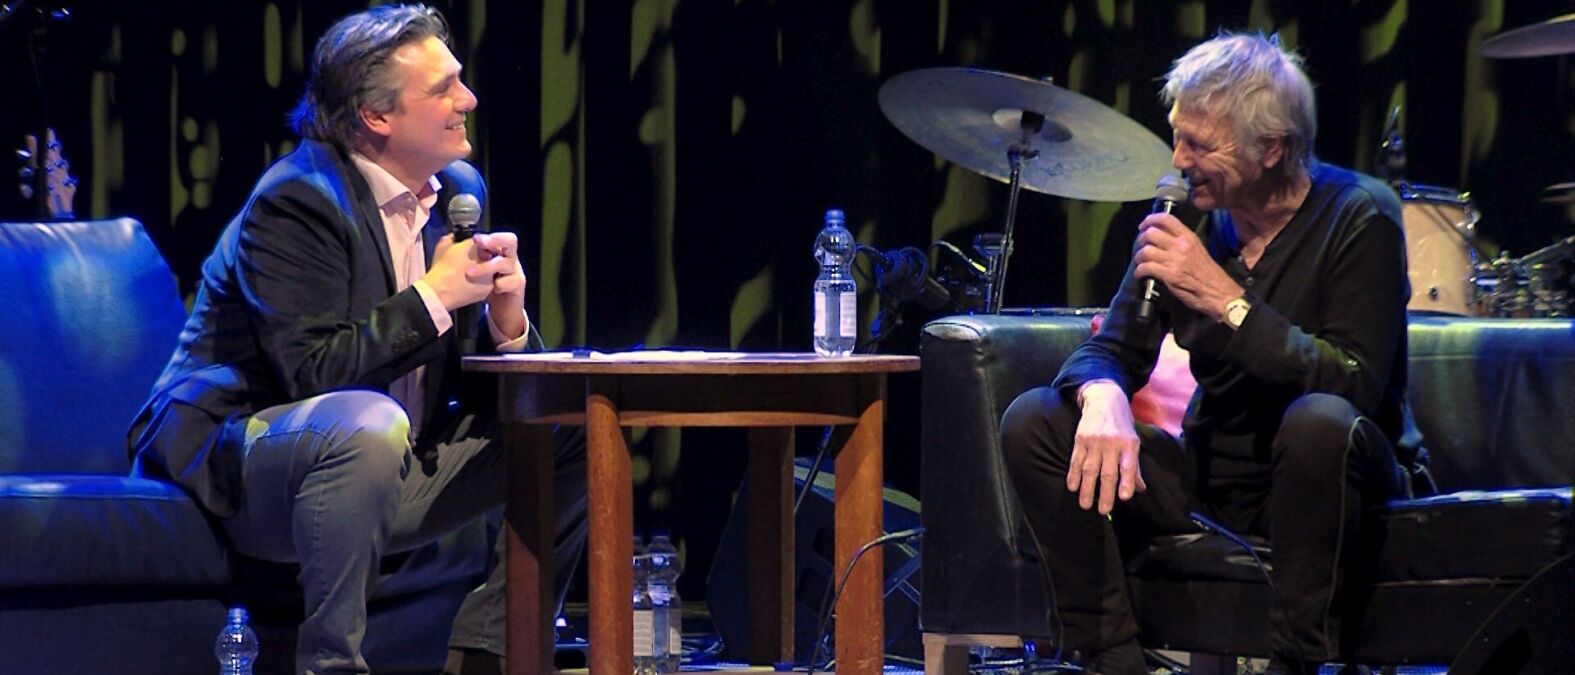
(814, 468)
(1044, 564)
(1210, 526)
(826, 435)
(826, 610)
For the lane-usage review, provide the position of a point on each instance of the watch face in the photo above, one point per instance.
(1236, 313)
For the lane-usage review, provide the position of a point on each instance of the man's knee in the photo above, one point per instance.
(1315, 430)
(368, 430)
(1033, 422)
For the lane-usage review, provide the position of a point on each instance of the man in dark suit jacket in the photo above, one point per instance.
(315, 405)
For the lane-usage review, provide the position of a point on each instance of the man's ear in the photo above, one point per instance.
(1273, 151)
(375, 122)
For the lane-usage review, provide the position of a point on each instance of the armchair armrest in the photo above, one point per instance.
(982, 572)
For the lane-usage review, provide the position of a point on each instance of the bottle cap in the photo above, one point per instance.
(237, 614)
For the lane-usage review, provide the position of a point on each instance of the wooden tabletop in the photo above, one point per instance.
(662, 362)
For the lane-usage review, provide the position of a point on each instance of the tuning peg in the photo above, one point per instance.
(25, 173)
(26, 190)
(22, 155)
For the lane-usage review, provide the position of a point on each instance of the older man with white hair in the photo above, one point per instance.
(1290, 295)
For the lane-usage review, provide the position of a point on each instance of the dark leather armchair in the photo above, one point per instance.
(101, 572)
(1493, 399)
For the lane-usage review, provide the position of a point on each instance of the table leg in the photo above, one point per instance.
(531, 569)
(611, 546)
(770, 560)
(861, 628)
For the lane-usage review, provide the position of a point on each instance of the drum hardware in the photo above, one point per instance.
(1563, 249)
(1550, 271)
(1538, 284)
(1029, 134)
(1389, 164)
(1501, 287)
(1550, 296)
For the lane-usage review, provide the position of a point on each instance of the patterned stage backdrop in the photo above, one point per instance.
(666, 162)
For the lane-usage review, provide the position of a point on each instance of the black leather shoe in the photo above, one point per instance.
(472, 662)
(1123, 659)
(1284, 666)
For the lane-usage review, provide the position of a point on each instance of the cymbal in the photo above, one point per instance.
(1549, 38)
(973, 117)
(1559, 193)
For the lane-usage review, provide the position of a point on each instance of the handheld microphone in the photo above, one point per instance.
(464, 211)
(1170, 191)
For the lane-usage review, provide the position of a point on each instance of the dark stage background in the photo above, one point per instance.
(666, 163)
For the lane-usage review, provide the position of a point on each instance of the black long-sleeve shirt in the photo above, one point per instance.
(1328, 315)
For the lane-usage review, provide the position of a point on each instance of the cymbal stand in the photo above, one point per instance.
(1032, 123)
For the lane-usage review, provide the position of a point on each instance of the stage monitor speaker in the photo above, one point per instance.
(727, 590)
(1529, 634)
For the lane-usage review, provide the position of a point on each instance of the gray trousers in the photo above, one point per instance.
(331, 482)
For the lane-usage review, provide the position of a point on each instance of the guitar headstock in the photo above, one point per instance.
(58, 181)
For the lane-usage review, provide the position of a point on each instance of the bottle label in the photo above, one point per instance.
(820, 314)
(847, 319)
(642, 633)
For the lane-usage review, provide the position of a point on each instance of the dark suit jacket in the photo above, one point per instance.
(297, 299)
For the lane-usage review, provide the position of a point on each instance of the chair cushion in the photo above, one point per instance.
(75, 529)
(1200, 556)
(1500, 534)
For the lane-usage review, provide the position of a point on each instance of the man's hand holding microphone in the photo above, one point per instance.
(470, 266)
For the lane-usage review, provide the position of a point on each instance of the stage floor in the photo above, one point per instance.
(703, 652)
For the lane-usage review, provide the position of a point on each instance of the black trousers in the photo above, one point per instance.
(1327, 463)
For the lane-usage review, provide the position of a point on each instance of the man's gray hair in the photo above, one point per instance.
(1255, 82)
(350, 69)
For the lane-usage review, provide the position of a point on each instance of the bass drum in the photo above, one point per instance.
(1440, 225)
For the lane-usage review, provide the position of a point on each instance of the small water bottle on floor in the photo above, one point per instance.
(644, 617)
(663, 587)
(836, 292)
(236, 646)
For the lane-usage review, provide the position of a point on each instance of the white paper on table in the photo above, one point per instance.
(642, 355)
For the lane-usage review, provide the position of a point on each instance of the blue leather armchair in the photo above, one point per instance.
(1454, 576)
(101, 572)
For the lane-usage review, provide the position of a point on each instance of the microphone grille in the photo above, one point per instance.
(464, 210)
(1171, 188)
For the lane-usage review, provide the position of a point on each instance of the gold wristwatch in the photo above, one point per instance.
(1236, 312)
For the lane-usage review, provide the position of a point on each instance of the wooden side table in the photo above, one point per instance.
(770, 393)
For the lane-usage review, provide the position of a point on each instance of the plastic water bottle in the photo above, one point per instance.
(644, 617)
(663, 588)
(836, 293)
(236, 646)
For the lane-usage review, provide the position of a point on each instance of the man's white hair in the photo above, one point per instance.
(1257, 84)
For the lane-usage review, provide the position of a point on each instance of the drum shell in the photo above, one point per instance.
(1439, 225)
